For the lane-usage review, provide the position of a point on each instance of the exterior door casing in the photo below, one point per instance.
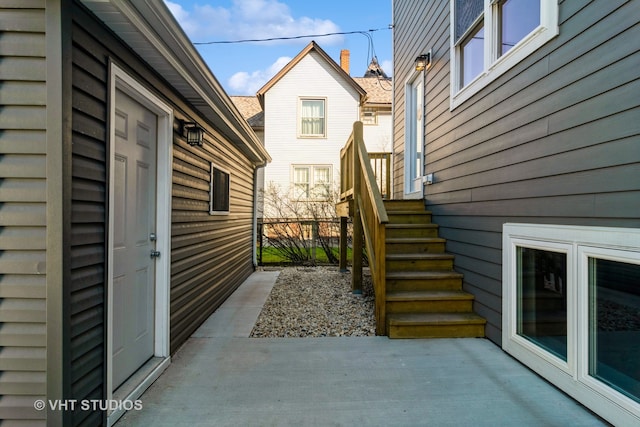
(414, 123)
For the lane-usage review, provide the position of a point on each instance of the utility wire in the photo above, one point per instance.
(292, 37)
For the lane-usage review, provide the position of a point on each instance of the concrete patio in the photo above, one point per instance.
(221, 377)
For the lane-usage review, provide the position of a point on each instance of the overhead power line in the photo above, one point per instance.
(291, 37)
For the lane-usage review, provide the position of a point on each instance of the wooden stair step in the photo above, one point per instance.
(429, 301)
(391, 205)
(422, 275)
(412, 230)
(415, 240)
(419, 261)
(417, 256)
(409, 217)
(437, 295)
(423, 280)
(435, 325)
(415, 245)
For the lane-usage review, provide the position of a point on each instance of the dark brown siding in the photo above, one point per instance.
(211, 255)
(553, 140)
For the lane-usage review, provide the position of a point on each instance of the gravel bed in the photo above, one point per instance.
(316, 302)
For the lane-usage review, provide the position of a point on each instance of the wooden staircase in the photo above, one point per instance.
(424, 296)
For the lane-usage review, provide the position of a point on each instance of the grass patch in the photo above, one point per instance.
(271, 255)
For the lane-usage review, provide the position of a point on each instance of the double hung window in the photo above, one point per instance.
(491, 36)
(312, 118)
(312, 181)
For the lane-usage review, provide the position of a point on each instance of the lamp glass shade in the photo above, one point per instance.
(194, 135)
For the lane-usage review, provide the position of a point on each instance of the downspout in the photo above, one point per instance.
(256, 199)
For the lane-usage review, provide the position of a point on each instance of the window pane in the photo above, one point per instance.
(312, 116)
(369, 116)
(467, 11)
(219, 191)
(542, 300)
(472, 58)
(321, 175)
(614, 325)
(517, 19)
(321, 181)
(301, 182)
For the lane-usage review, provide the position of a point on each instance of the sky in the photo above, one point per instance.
(243, 68)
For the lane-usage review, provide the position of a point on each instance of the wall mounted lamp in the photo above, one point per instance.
(193, 132)
(423, 61)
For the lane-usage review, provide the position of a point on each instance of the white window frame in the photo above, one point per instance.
(369, 116)
(211, 185)
(495, 65)
(580, 243)
(312, 183)
(309, 135)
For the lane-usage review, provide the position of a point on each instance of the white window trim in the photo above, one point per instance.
(211, 211)
(312, 183)
(511, 304)
(312, 136)
(584, 253)
(494, 67)
(374, 115)
(619, 244)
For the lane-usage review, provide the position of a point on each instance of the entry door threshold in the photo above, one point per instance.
(137, 384)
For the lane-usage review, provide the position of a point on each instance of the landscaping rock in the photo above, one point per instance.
(316, 302)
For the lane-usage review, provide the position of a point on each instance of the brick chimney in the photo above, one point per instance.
(344, 60)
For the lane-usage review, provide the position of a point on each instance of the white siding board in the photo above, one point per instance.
(377, 138)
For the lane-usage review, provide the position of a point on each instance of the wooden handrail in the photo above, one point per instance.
(358, 183)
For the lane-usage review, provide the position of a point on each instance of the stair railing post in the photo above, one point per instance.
(356, 278)
(343, 244)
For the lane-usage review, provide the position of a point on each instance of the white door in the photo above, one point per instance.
(413, 143)
(134, 225)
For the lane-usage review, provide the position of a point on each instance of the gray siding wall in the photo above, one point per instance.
(554, 140)
(23, 210)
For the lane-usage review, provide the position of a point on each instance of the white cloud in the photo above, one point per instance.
(249, 19)
(248, 83)
(387, 66)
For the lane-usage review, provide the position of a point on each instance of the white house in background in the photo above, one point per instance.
(306, 112)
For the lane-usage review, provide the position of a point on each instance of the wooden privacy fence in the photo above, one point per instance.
(360, 198)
